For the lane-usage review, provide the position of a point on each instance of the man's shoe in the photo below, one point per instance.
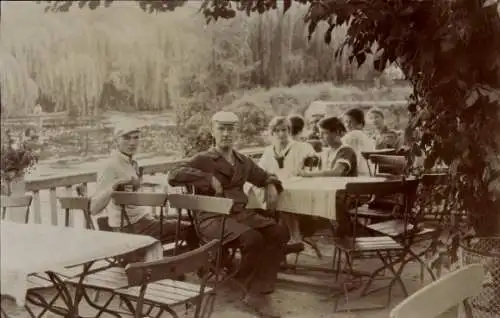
(261, 305)
(294, 248)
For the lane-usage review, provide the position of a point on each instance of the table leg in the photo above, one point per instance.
(71, 305)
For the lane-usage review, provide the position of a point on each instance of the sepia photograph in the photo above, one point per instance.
(250, 159)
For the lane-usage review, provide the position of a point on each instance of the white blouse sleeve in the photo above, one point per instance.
(265, 161)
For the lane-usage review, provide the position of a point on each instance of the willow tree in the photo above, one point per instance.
(449, 51)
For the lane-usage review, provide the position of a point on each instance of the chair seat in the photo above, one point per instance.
(109, 279)
(365, 211)
(76, 271)
(368, 244)
(38, 281)
(392, 228)
(168, 292)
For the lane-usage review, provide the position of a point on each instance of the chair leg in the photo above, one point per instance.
(386, 265)
(4, 314)
(101, 309)
(208, 305)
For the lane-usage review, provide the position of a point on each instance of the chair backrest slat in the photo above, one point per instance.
(13, 202)
(22, 201)
(74, 203)
(450, 290)
(171, 267)
(203, 203)
(389, 163)
(383, 187)
(152, 199)
(81, 204)
(388, 151)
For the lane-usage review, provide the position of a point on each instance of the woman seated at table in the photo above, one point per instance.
(285, 157)
(384, 137)
(337, 159)
(297, 124)
(356, 138)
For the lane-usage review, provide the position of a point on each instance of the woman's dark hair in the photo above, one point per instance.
(297, 124)
(332, 124)
(357, 115)
(28, 131)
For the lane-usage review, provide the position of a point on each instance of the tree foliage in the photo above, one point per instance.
(449, 50)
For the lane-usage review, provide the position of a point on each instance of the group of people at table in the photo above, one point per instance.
(222, 171)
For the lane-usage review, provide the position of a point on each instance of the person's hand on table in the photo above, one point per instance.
(271, 197)
(304, 174)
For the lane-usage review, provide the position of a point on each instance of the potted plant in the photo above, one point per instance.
(17, 158)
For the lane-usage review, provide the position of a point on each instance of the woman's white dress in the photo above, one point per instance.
(359, 141)
(293, 162)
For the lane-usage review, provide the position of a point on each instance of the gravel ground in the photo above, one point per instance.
(292, 300)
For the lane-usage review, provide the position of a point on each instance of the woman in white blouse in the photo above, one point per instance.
(286, 158)
(356, 138)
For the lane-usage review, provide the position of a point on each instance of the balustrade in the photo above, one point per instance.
(45, 208)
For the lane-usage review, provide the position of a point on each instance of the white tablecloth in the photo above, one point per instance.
(35, 248)
(309, 196)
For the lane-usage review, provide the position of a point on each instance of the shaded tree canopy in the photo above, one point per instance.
(449, 51)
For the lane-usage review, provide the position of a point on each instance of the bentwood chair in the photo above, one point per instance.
(441, 299)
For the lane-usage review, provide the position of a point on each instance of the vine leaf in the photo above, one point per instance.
(488, 3)
(472, 99)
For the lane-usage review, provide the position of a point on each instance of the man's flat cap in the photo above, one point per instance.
(228, 118)
(123, 129)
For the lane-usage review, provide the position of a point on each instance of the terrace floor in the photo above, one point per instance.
(292, 300)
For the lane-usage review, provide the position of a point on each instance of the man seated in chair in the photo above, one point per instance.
(121, 173)
(222, 171)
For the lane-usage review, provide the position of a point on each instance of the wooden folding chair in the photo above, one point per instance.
(72, 204)
(113, 279)
(151, 283)
(424, 223)
(156, 200)
(441, 299)
(388, 165)
(140, 199)
(195, 204)
(367, 154)
(384, 247)
(14, 202)
(380, 208)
